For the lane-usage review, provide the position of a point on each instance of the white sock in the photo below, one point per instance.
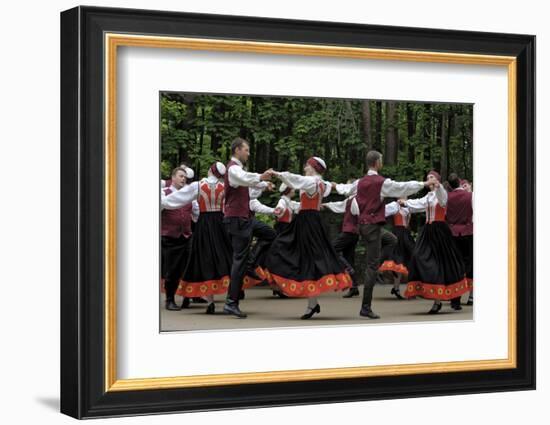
(311, 303)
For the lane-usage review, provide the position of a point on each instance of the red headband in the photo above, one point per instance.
(435, 174)
(215, 171)
(317, 166)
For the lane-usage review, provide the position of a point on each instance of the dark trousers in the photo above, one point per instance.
(465, 245)
(241, 231)
(175, 253)
(374, 237)
(344, 245)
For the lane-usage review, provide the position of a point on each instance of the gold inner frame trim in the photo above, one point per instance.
(111, 43)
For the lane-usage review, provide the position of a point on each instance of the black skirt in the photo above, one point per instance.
(302, 262)
(436, 269)
(208, 269)
(397, 260)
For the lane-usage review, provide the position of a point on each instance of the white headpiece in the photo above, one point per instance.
(189, 173)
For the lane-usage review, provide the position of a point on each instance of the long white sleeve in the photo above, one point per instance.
(441, 195)
(163, 184)
(338, 207)
(281, 205)
(393, 189)
(299, 182)
(258, 207)
(392, 208)
(354, 209)
(180, 198)
(347, 189)
(239, 177)
(418, 205)
(195, 211)
(294, 206)
(328, 188)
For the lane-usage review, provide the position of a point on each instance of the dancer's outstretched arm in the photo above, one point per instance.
(179, 198)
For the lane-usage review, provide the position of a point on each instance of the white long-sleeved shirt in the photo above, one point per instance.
(437, 196)
(286, 202)
(257, 207)
(239, 177)
(308, 184)
(390, 188)
(391, 208)
(185, 195)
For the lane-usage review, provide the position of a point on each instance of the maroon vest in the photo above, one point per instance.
(175, 223)
(349, 225)
(371, 208)
(236, 198)
(460, 212)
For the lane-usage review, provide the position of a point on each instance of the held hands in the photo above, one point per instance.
(269, 187)
(402, 202)
(278, 211)
(266, 175)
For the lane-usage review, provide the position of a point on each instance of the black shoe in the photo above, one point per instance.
(211, 309)
(397, 293)
(367, 312)
(241, 295)
(171, 305)
(280, 294)
(316, 309)
(199, 300)
(470, 301)
(185, 303)
(352, 292)
(435, 308)
(231, 307)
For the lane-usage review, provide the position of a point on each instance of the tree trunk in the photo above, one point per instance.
(378, 129)
(391, 134)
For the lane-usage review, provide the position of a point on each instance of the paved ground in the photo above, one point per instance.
(267, 311)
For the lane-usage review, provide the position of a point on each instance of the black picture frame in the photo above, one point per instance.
(83, 392)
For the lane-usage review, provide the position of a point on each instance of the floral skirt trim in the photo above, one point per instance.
(212, 287)
(392, 266)
(438, 291)
(310, 288)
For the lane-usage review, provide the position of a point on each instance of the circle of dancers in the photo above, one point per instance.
(213, 245)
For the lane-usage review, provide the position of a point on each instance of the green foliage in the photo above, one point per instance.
(284, 131)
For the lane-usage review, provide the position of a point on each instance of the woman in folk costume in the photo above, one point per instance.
(287, 208)
(302, 262)
(208, 268)
(436, 269)
(397, 260)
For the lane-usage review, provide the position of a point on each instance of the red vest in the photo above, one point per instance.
(460, 212)
(286, 217)
(349, 225)
(211, 196)
(175, 223)
(312, 202)
(236, 198)
(371, 208)
(401, 220)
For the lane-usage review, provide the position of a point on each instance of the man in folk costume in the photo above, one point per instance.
(175, 237)
(240, 226)
(189, 173)
(346, 241)
(460, 219)
(301, 261)
(371, 191)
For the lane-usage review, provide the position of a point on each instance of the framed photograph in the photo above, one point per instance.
(263, 212)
